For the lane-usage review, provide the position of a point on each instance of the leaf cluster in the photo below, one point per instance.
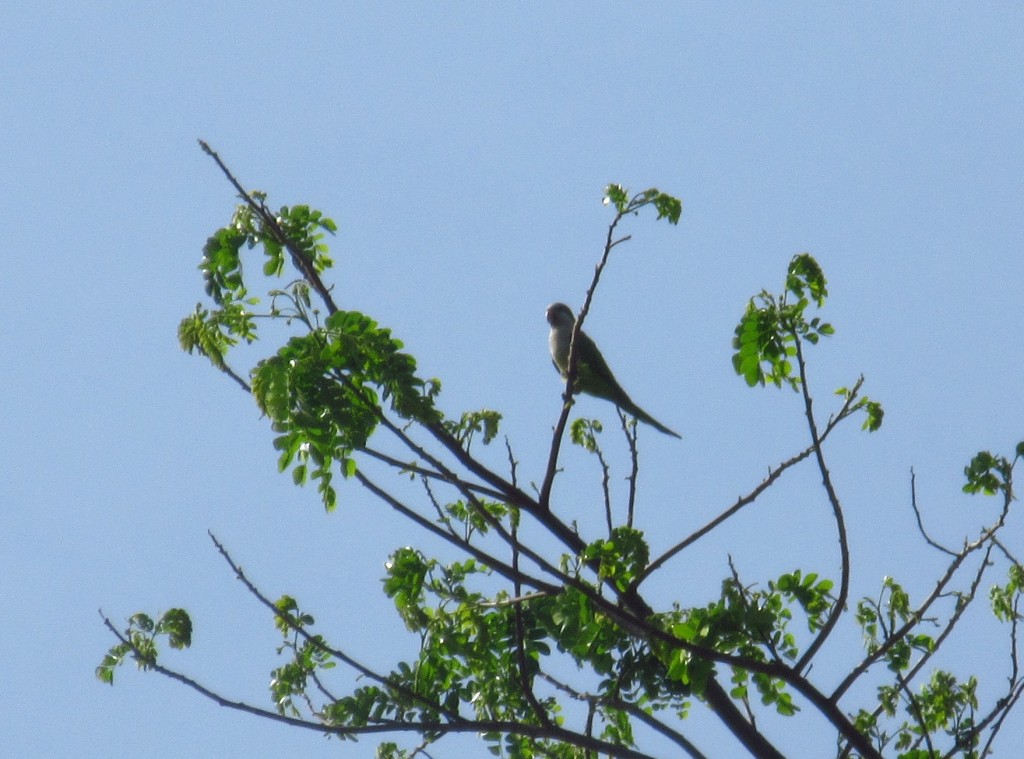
(323, 393)
(766, 338)
(139, 641)
(213, 331)
(668, 207)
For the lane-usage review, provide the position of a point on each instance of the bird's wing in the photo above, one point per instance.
(596, 379)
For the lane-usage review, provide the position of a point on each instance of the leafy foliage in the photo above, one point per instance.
(584, 432)
(473, 423)
(767, 336)
(139, 641)
(668, 207)
(988, 474)
(323, 393)
(621, 558)
(537, 636)
(213, 331)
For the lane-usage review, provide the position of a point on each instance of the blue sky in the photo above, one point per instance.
(463, 150)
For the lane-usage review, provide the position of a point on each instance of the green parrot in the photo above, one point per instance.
(593, 377)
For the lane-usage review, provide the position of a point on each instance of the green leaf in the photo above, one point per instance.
(617, 196)
(271, 388)
(584, 432)
(805, 276)
(473, 423)
(114, 658)
(302, 226)
(621, 558)
(874, 415)
(177, 625)
(668, 207)
(221, 263)
(987, 474)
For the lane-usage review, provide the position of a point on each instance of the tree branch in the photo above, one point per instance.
(628, 610)
(458, 725)
(502, 568)
(630, 431)
(752, 496)
(940, 588)
(749, 498)
(844, 547)
(270, 222)
(917, 515)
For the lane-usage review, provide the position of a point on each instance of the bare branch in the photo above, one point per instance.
(917, 515)
(749, 498)
(837, 511)
(1007, 705)
(987, 535)
(442, 518)
(629, 429)
(605, 488)
(231, 373)
(513, 464)
(318, 642)
(449, 477)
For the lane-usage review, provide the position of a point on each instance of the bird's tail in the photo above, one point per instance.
(634, 410)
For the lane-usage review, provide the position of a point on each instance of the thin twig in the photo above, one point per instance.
(914, 707)
(997, 725)
(442, 518)
(749, 498)
(457, 482)
(919, 613)
(839, 607)
(917, 515)
(630, 431)
(765, 638)
(605, 488)
(595, 702)
(743, 501)
(513, 464)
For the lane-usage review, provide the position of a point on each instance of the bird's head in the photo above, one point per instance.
(560, 315)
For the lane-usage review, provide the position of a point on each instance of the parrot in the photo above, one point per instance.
(593, 375)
